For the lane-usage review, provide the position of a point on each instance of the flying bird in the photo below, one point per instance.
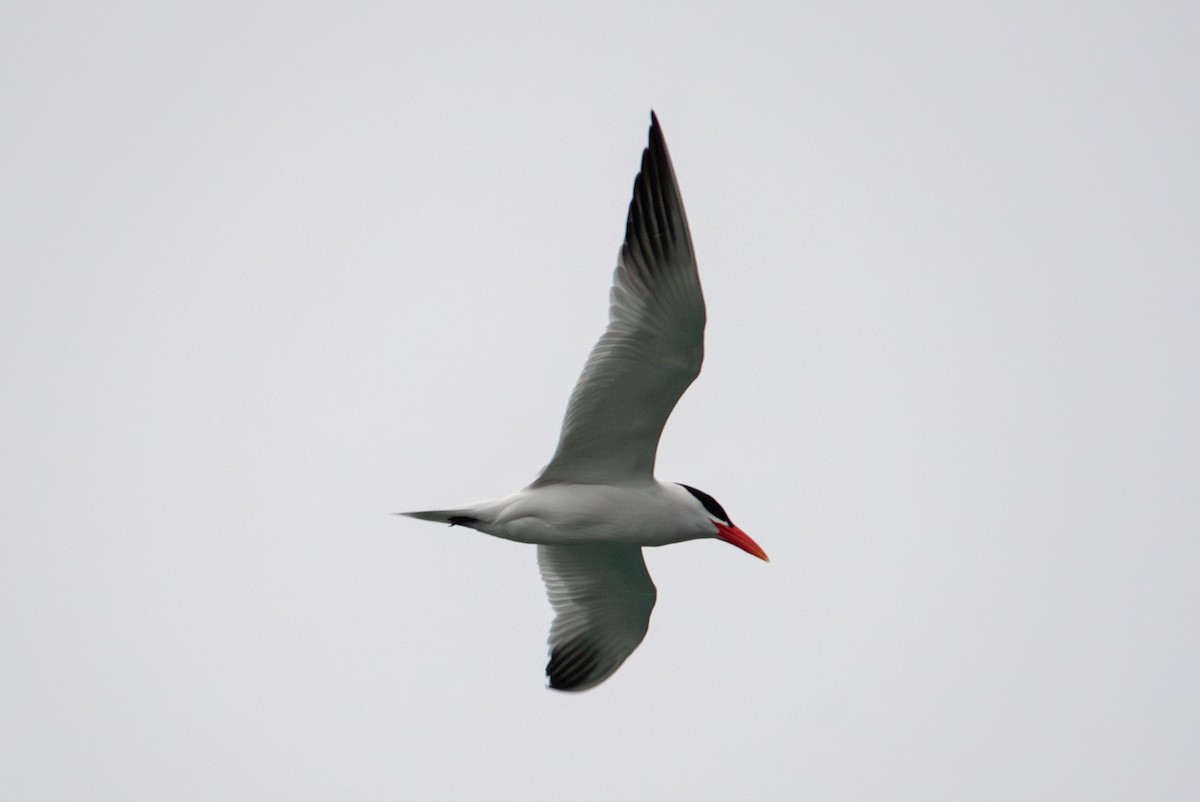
(597, 504)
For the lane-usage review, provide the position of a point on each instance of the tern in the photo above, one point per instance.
(597, 504)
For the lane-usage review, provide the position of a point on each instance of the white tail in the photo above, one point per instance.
(461, 517)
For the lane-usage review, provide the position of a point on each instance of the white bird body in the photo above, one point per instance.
(597, 503)
(636, 513)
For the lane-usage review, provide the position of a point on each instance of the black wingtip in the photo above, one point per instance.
(655, 225)
(656, 135)
(571, 667)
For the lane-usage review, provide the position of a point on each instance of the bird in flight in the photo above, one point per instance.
(597, 504)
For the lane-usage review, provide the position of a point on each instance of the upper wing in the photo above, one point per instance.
(602, 598)
(654, 343)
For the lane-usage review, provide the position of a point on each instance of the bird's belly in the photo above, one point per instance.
(586, 513)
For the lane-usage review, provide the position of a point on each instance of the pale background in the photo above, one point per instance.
(272, 271)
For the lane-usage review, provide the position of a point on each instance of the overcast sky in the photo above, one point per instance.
(273, 271)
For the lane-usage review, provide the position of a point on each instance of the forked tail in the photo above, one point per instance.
(460, 517)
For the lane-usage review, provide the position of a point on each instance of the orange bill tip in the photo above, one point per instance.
(736, 537)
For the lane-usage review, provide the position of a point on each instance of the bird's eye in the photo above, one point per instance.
(710, 504)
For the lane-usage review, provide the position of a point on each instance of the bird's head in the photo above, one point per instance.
(723, 528)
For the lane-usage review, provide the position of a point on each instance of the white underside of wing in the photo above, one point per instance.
(653, 346)
(602, 598)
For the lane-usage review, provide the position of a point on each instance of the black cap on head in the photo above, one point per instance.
(710, 503)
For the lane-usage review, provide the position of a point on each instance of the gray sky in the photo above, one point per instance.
(274, 271)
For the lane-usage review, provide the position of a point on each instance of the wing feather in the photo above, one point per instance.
(602, 597)
(654, 344)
